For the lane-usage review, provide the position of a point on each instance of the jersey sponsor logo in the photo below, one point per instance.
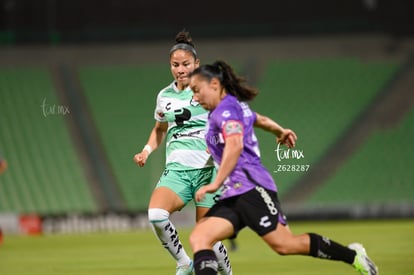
(226, 114)
(268, 200)
(264, 221)
(232, 127)
(168, 106)
(216, 139)
(198, 133)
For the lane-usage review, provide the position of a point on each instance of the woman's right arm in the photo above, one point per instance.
(156, 137)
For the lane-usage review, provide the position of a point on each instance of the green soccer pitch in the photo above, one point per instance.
(389, 243)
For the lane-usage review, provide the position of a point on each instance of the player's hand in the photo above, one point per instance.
(201, 193)
(288, 138)
(141, 158)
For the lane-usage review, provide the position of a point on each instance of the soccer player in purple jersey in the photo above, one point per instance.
(249, 194)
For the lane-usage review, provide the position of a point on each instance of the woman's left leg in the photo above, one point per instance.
(207, 232)
(224, 265)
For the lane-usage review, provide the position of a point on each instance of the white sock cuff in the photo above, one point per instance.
(158, 215)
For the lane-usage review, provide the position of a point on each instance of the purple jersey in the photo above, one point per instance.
(249, 171)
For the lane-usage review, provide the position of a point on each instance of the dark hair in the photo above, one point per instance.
(234, 84)
(184, 42)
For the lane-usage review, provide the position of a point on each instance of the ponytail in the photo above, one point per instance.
(234, 84)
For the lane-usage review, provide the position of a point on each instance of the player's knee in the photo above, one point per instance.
(280, 247)
(281, 251)
(194, 238)
(157, 215)
(198, 240)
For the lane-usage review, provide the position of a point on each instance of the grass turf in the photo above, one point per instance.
(389, 243)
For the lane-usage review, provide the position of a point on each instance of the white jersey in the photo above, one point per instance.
(185, 144)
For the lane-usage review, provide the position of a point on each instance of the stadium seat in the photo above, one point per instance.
(122, 101)
(44, 173)
(380, 172)
(318, 98)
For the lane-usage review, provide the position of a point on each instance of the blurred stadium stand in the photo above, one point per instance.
(55, 21)
(122, 100)
(324, 74)
(319, 98)
(45, 175)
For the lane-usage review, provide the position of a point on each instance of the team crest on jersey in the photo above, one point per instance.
(194, 102)
(237, 185)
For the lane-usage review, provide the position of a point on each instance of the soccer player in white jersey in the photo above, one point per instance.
(181, 122)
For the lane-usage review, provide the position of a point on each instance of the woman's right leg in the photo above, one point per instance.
(163, 202)
(284, 242)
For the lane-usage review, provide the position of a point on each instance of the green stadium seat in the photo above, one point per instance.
(44, 173)
(122, 101)
(380, 172)
(319, 99)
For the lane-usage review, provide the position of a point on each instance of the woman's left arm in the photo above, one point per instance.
(284, 136)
